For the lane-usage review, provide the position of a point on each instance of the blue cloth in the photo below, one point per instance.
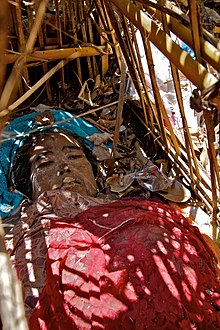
(9, 201)
(188, 50)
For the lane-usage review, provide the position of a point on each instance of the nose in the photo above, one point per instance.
(63, 169)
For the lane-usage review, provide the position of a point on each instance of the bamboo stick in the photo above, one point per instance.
(95, 67)
(84, 35)
(160, 104)
(210, 53)
(72, 15)
(188, 141)
(103, 37)
(172, 10)
(132, 71)
(30, 17)
(3, 39)
(11, 84)
(22, 42)
(155, 88)
(199, 189)
(118, 119)
(45, 66)
(214, 170)
(64, 19)
(131, 53)
(193, 70)
(59, 38)
(82, 52)
(50, 55)
(195, 27)
(135, 55)
(116, 49)
(209, 120)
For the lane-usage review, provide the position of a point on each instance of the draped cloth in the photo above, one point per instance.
(129, 264)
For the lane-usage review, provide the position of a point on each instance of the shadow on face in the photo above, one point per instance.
(58, 162)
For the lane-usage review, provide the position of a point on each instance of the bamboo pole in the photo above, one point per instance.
(11, 84)
(172, 10)
(155, 88)
(132, 71)
(84, 35)
(3, 40)
(195, 28)
(103, 37)
(139, 79)
(50, 54)
(22, 42)
(61, 84)
(193, 70)
(95, 67)
(118, 118)
(214, 170)
(116, 49)
(200, 191)
(64, 19)
(82, 52)
(161, 110)
(45, 66)
(188, 141)
(210, 53)
(72, 15)
(135, 55)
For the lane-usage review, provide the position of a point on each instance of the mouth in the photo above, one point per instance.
(67, 182)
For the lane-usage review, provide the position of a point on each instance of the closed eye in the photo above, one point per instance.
(74, 156)
(45, 164)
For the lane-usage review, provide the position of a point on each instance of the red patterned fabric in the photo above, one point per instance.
(128, 265)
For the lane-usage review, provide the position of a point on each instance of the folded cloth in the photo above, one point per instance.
(128, 265)
(12, 138)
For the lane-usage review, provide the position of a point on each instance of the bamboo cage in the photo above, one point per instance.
(50, 46)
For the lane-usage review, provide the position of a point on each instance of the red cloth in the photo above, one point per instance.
(128, 265)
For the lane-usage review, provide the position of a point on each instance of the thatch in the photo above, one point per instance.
(77, 40)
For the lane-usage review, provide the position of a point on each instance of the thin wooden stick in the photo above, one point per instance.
(195, 27)
(209, 52)
(137, 64)
(81, 52)
(11, 84)
(131, 68)
(22, 42)
(200, 191)
(118, 118)
(176, 81)
(214, 170)
(104, 37)
(61, 121)
(81, 16)
(59, 38)
(3, 39)
(193, 70)
(116, 49)
(51, 54)
(155, 88)
(95, 66)
(45, 66)
(72, 15)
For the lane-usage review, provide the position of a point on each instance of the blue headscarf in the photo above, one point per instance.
(13, 137)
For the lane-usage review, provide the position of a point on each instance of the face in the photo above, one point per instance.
(58, 162)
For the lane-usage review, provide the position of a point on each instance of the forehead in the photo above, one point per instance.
(54, 141)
